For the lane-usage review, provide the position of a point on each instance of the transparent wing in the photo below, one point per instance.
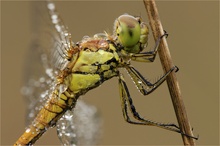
(80, 126)
(48, 55)
(39, 72)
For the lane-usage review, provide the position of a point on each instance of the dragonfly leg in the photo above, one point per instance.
(142, 83)
(126, 101)
(150, 55)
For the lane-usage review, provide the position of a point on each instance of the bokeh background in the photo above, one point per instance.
(193, 28)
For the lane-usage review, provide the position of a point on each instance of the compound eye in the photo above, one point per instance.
(128, 30)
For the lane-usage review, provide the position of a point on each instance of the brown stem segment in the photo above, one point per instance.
(167, 64)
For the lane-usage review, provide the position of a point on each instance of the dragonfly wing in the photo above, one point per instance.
(52, 35)
(80, 126)
(37, 84)
(47, 56)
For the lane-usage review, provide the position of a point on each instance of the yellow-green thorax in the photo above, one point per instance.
(97, 62)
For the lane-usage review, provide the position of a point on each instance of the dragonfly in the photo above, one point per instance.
(63, 71)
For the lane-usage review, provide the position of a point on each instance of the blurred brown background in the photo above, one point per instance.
(193, 28)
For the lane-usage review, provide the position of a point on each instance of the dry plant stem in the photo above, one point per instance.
(166, 62)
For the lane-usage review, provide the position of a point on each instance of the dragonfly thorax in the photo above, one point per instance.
(96, 62)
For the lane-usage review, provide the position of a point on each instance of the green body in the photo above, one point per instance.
(92, 68)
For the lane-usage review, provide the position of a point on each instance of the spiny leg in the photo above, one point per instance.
(150, 55)
(124, 94)
(141, 82)
(126, 100)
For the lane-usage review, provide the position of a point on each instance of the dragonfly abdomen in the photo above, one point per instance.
(47, 117)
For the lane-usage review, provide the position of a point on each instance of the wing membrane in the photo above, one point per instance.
(48, 54)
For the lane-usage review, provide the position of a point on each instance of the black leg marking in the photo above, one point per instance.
(126, 100)
(141, 82)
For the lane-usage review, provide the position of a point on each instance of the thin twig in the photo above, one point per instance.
(166, 62)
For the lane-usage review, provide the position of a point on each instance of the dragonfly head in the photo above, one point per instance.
(131, 33)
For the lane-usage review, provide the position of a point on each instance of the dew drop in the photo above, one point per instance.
(139, 81)
(62, 88)
(66, 45)
(100, 35)
(51, 6)
(63, 127)
(28, 130)
(68, 116)
(67, 134)
(58, 28)
(34, 125)
(60, 134)
(85, 38)
(66, 34)
(55, 21)
(54, 16)
(31, 115)
(26, 91)
(42, 79)
(49, 72)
